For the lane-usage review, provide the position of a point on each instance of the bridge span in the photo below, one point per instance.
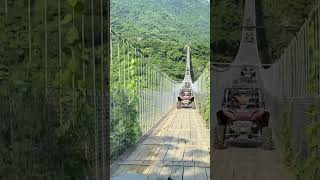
(177, 146)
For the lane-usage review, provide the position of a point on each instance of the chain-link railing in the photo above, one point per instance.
(292, 85)
(53, 99)
(202, 94)
(140, 95)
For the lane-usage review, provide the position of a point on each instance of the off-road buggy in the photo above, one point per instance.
(243, 119)
(185, 99)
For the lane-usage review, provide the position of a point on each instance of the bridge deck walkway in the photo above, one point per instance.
(178, 147)
(240, 163)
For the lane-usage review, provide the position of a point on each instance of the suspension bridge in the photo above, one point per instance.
(289, 89)
(174, 142)
(54, 102)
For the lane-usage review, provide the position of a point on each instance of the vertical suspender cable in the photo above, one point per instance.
(119, 65)
(151, 95)
(124, 65)
(304, 62)
(29, 28)
(6, 7)
(128, 70)
(83, 75)
(45, 48)
(318, 50)
(145, 89)
(138, 86)
(111, 48)
(148, 96)
(60, 60)
(96, 129)
(142, 95)
(103, 119)
(83, 46)
(73, 61)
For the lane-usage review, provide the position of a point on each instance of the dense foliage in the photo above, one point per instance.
(161, 28)
(302, 158)
(226, 32)
(282, 20)
(278, 22)
(124, 126)
(46, 116)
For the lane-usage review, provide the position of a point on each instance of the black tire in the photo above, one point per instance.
(178, 104)
(193, 104)
(266, 136)
(218, 138)
(219, 118)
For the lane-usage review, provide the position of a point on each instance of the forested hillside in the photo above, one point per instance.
(48, 52)
(225, 32)
(161, 28)
(278, 22)
(282, 20)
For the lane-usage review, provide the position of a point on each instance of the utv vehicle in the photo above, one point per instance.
(243, 119)
(185, 99)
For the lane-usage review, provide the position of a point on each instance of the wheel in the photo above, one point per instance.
(266, 136)
(218, 138)
(178, 104)
(219, 118)
(193, 105)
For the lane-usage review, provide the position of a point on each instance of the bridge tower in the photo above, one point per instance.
(186, 91)
(245, 67)
(187, 75)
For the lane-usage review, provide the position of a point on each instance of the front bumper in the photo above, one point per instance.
(244, 141)
(185, 102)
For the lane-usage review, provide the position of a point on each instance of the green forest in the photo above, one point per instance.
(53, 71)
(160, 29)
(160, 34)
(278, 22)
(50, 79)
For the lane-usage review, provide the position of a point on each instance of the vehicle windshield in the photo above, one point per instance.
(185, 93)
(248, 99)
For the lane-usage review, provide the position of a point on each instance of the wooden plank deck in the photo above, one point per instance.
(178, 148)
(249, 164)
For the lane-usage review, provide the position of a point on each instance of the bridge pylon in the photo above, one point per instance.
(185, 96)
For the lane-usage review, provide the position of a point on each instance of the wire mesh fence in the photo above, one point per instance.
(202, 94)
(292, 85)
(140, 95)
(53, 95)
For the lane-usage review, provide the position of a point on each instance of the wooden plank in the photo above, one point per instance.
(188, 173)
(199, 173)
(164, 173)
(171, 149)
(153, 172)
(187, 154)
(208, 173)
(177, 172)
(179, 152)
(170, 155)
(161, 153)
(132, 169)
(120, 170)
(135, 153)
